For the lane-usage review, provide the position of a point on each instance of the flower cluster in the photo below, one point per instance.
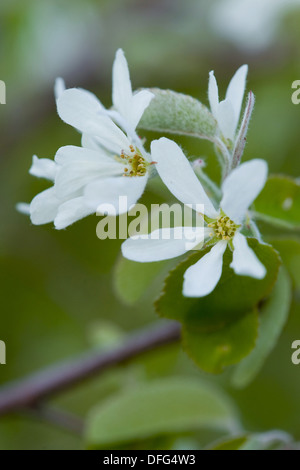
(112, 162)
(93, 174)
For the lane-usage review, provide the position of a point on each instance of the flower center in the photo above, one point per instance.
(135, 164)
(223, 227)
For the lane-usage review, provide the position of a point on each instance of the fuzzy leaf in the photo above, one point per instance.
(177, 113)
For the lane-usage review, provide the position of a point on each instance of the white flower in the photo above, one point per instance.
(239, 190)
(227, 112)
(128, 107)
(109, 164)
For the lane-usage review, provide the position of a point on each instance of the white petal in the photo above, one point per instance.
(71, 179)
(162, 244)
(93, 97)
(23, 208)
(236, 90)
(79, 166)
(201, 278)
(71, 154)
(44, 207)
(226, 119)
(90, 142)
(241, 188)
(177, 174)
(140, 101)
(122, 91)
(107, 191)
(83, 111)
(71, 211)
(245, 261)
(59, 87)
(213, 94)
(124, 124)
(43, 168)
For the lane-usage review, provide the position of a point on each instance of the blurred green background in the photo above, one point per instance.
(57, 289)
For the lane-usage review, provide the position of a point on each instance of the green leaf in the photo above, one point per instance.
(220, 307)
(279, 202)
(221, 328)
(177, 113)
(132, 279)
(235, 443)
(289, 250)
(273, 315)
(159, 408)
(272, 440)
(213, 351)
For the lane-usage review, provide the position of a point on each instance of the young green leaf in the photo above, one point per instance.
(177, 113)
(158, 408)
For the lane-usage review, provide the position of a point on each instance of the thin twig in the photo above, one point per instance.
(32, 390)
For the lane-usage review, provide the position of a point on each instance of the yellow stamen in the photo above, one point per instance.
(224, 228)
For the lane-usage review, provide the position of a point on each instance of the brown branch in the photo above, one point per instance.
(29, 392)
